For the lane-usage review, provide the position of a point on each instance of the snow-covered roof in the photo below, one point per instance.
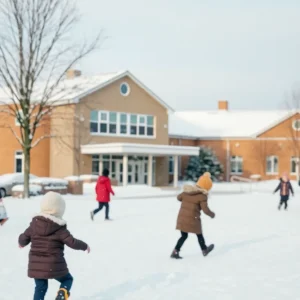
(72, 90)
(224, 124)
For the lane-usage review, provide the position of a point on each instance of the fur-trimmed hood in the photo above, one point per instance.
(45, 225)
(54, 219)
(194, 189)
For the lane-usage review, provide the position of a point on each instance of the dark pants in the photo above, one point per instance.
(41, 286)
(283, 200)
(101, 205)
(183, 238)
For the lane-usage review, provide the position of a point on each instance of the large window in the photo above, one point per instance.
(19, 162)
(123, 124)
(294, 162)
(272, 165)
(236, 164)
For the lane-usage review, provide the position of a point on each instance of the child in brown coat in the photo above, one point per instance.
(48, 234)
(193, 200)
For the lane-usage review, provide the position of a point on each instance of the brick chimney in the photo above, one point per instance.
(223, 105)
(72, 73)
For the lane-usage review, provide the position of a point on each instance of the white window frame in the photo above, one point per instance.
(296, 160)
(19, 155)
(272, 172)
(128, 125)
(236, 160)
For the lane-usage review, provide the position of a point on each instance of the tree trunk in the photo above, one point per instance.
(26, 193)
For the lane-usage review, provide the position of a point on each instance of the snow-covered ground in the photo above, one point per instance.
(256, 255)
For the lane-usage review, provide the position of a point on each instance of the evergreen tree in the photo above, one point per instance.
(205, 162)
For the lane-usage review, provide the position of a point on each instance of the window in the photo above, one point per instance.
(133, 124)
(122, 124)
(296, 125)
(19, 162)
(94, 121)
(124, 89)
(95, 164)
(272, 165)
(236, 165)
(294, 162)
(171, 165)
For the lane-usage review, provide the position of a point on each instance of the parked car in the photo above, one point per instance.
(7, 181)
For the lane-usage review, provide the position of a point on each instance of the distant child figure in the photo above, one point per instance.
(103, 190)
(3, 213)
(285, 187)
(193, 200)
(48, 234)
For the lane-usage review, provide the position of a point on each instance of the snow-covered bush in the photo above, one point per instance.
(34, 189)
(207, 161)
(73, 178)
(51, 182)
(89, 177)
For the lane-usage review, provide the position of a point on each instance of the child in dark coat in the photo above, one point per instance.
(48, 234)
(285, 187)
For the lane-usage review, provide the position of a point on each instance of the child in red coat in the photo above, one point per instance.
(103, 190)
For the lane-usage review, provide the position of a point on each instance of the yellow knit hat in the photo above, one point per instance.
(205, 182)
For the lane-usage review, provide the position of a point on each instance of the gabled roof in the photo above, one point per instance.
(225, 124)
(72, 90)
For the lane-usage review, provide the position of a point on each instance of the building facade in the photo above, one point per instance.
(114, 121)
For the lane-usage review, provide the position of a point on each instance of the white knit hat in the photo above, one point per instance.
(53, 204)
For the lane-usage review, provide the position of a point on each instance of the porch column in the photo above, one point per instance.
(175, 173)
(125, 169)
(150, 170)
(100, 164)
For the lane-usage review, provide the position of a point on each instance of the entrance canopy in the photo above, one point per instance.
(137, 149)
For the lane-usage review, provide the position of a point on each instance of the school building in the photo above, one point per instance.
(115, 121)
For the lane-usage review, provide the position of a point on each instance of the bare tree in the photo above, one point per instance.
(262, 148)
(75, 134)
(35, 53)
(293, 130)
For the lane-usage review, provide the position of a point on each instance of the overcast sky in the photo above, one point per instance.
(194, 52)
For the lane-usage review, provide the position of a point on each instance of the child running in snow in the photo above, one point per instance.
(3, 213)
(48, 234)
(285, 187)
(193, 200)
(103, 190)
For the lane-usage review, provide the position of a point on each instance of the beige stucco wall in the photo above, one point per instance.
(77, 133)
(62, 145)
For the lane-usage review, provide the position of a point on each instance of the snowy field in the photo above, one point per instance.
(256, 256)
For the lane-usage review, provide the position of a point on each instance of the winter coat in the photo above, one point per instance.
(285, 187)
(48, 235)
(3, 214)
(103, 189)
(193, 200)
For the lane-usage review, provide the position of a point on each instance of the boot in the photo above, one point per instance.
(279, 207)
(3, 221)
(92, 215)
(175, 254)
(208, 249)
(62, 295)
